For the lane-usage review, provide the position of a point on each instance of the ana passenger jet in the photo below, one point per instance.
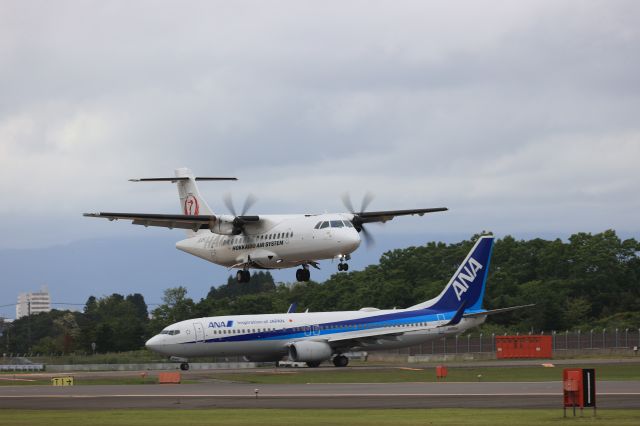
(243, 242)
(314, 337)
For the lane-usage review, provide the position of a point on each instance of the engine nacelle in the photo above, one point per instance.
(224, 226)
(309, 351)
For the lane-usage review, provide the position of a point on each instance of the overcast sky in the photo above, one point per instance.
(522, 117)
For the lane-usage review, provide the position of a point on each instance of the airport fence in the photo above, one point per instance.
(566, 340)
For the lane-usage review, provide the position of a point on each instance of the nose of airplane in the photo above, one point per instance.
(351, 241)
(154, 343)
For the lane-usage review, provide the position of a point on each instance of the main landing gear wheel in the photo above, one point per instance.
(184, 366)
(340, 361)
(313, 364)
(303, 274)
(343, 266)
(243, 276)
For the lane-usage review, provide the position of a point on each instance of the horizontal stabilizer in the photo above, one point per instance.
(497, 311)
(179, 178)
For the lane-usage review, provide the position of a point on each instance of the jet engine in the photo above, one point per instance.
(308, 351)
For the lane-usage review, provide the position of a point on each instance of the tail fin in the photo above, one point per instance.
(468, 283)
(191, 202)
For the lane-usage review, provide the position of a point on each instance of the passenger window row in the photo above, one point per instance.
(243, 240)
(305, 328)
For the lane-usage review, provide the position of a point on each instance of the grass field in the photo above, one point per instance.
(267, 417)
(461, 374)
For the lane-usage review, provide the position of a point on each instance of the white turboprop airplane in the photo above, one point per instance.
(314, 337)
(261, 242)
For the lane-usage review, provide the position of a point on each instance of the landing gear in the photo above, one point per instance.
(313, 364)
(184, 366)
(243, 276)
(340, 361)
(343, 265)
(303, 274)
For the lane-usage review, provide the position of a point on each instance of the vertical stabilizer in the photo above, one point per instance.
(191, 202)
(468, 283)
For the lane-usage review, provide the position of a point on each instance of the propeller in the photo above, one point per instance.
(357, 221)
(239, 220)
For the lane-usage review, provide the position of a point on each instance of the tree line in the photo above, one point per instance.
(588, 281)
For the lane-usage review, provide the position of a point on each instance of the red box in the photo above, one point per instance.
(169, 378)
(579, 387)
(537, 346)
(572, 386)
(441, 371)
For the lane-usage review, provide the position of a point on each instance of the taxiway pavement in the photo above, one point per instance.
(611, 394)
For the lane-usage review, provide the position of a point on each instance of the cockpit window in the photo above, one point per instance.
(336, 224)
(324, 225)
(347, 224)
(170, 332)
(317, 225)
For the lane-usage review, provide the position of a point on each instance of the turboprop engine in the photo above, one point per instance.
(309, 351)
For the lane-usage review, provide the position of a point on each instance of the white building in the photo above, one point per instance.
(33, 302)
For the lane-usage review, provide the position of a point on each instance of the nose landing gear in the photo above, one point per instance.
(343, 265)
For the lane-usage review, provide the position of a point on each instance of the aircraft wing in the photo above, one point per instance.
(383, 216)
(371, 337)
(171, 221)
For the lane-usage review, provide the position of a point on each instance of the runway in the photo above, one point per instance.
(611, 394)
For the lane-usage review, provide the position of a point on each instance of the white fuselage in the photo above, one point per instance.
(267, 337)
(277, 241)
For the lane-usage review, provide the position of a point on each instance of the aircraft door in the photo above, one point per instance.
(199, 331)
(312, 330)
(212, 247)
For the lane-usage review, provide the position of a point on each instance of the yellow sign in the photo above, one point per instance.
(62, 381)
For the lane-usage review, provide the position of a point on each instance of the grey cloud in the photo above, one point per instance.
(521, 110)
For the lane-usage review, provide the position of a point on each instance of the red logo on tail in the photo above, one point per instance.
(191, 206)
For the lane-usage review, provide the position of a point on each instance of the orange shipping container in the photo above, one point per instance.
(538, 346)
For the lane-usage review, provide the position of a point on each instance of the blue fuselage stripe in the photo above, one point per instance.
(324, 329)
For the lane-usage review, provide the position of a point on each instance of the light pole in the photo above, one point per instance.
(579, 342)
(626, 337)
